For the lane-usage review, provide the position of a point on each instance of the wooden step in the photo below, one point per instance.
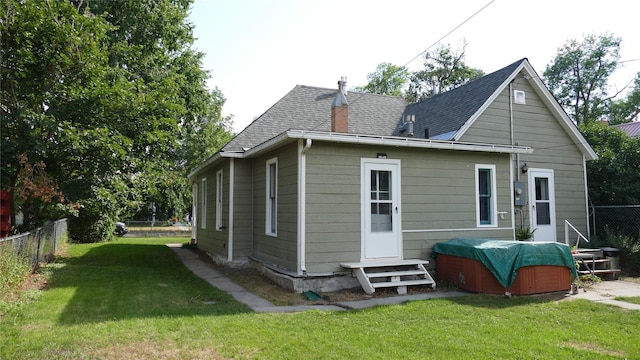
(395, 273)
(599, 271)
(401, 283)
(384, 263)
(391, 273)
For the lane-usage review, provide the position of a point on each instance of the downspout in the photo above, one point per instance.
(586, 194)
(302, 194)
(231, 195)
(511, 128)
(513, 205)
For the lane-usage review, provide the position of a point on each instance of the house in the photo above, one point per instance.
(632, 128)
(327, 179)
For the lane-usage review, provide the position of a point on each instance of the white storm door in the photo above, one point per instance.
(381, 233)
(542, 205)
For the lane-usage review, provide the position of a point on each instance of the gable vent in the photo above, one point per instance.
(519, 97)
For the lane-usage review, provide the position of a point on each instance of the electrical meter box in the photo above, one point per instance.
(519, 193)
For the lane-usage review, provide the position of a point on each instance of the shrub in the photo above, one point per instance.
(14, 269)
(629, 249)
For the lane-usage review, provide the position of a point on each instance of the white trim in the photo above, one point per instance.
(271, 213)
(302, 204)
(586, 194)
(232, 172)
(494, 202)
(396, 197)
(512, 190)
(194, 211)
(552, 200)
(547, 98)
(453, 230)
(219, 198)
(203, 203)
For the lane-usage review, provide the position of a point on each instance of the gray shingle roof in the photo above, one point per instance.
(309, 108)
(448, 112)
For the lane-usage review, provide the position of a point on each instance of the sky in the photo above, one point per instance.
(258, 51)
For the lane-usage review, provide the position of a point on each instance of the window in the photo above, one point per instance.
(271, 210)
(203, 207)
(219, 200)
(486, 195)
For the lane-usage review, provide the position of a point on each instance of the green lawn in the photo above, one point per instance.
(132, 299)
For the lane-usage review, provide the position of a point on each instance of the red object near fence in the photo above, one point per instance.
(5, 213)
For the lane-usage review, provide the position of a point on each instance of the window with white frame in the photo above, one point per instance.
(271, 210)
(486, 195)
(203, 205)
(219, 193)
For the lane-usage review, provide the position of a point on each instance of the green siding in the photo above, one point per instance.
(281, 249)
(535, 126)
(438, 192)
(243, 209)
(210, 239)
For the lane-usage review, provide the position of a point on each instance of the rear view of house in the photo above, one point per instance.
(327, 178)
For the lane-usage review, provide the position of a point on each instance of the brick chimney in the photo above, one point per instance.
(340, 109)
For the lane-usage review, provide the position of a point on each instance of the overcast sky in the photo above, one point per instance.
(257, 51)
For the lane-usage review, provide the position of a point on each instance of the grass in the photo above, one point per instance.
(629, 299)
(132, 299)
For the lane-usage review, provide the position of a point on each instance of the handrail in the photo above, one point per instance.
(567, 224)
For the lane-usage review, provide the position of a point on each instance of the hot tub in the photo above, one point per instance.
(497, 266)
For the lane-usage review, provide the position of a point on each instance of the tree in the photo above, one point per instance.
(444, 70)
(627, 109)
(614, 179)
(579, 74)
(109, 97)
(387, 79)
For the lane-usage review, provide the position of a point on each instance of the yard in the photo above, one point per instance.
(132, 299)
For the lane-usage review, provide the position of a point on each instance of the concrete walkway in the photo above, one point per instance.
(258, 304)
(603, 292)
(606, 291)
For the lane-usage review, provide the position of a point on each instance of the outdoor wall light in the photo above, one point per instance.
(381, 155)
(524, 168)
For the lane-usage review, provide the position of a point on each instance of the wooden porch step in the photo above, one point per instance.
(400, 283)
(599, 271)
(395, 273)
(384, 263)
(391, 273)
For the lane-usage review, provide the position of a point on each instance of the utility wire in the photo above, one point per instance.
(451, 31)
(427, 49)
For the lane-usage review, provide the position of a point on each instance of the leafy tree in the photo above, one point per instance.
(579, 74)
(109, 97)
(627, 109)
(387, 79)
(614, 179)
(444, 70)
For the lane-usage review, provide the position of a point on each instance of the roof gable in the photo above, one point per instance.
(447, 116)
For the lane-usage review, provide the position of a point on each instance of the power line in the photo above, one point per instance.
(451, 31)
(429, 47)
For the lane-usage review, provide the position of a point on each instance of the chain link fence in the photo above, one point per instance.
(38, 245)
(622, 220)
(619, 227)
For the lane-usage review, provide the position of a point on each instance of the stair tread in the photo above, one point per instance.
(599, 271)
(383, 263)
(396, 273)
(402, 283)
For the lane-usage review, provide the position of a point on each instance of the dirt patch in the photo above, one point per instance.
(594, 348)
(252, 280)
(149, 350)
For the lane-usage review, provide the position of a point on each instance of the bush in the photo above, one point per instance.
(629, 249)
(14, 269)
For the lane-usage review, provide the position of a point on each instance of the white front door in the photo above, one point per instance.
(381, 233)
(542, 205)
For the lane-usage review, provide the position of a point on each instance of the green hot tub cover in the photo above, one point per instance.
(504, 258)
